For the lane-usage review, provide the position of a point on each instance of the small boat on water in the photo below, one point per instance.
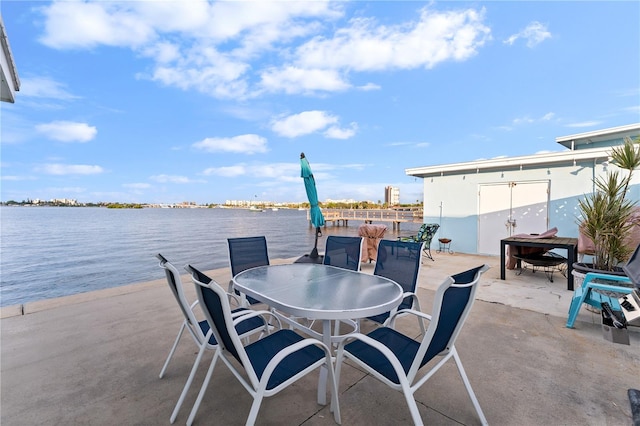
(255, 209)
(274, 209)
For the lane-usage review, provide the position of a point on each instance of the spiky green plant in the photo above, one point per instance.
(606, 213)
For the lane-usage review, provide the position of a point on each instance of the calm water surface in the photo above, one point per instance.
(48, 252)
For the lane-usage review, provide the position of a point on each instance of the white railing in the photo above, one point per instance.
(372, 215)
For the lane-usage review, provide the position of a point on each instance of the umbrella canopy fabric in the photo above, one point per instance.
(317, 219)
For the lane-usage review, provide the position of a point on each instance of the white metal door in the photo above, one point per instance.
(506, 209)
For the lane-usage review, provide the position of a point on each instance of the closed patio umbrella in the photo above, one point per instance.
(317, 219)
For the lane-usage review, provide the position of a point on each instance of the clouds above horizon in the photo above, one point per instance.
(309, 122)
(69, 169)
(243, 144)
(534, 34)
(67, 131)
(243, 50)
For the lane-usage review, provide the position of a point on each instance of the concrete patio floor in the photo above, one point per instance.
(94, 359)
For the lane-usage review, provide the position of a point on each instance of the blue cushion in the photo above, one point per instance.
(243, 327)
(403, 347)
(263, 350)
(467, 276)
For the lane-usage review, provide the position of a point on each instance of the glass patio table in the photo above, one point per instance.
(319, 292)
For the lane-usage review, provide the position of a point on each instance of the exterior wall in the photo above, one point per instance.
(452, 199)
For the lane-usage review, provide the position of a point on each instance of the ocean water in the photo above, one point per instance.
(48, 252)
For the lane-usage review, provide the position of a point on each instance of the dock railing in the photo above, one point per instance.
(396, 217)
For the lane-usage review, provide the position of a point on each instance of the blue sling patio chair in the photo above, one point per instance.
(198, 330)
(246, 253)
(266, 366)
(397, 261)
(343, 252)
(396, 359)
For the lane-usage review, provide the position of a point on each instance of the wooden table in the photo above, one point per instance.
(569, 244)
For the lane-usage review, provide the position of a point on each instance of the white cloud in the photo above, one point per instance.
(206, 70)
(335, 132)
(72, 25)
(69, 169)
(287, 172)
(44, 87)
(16, 178)
(535, 33)
(366, 46)
(67, 131)
(229, 171)
(584, 124)
(137, 185)
(369, 86)
(173, 179)
(245, 144)
(293, 80)
(529, 120)
(195, 28)
(239, 50)
(303, 124)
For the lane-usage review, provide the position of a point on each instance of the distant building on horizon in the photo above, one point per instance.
(391, 195)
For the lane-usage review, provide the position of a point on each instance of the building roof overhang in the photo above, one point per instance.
(537, 160)
(588, 138)
(10, 81)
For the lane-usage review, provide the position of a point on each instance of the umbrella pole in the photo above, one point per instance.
(314, 252)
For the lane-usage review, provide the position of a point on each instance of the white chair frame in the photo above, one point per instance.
(191, 324)
(256, 387)
(409, 383)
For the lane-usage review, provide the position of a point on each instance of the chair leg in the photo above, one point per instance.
(335, 403)
(173, 349)
(413, 407)
(467, 385)
(255, 407)
(203, 389)
(576, 304)
(192, 374)
(427, 251)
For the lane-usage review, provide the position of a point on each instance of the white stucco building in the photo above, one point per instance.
(478, 203)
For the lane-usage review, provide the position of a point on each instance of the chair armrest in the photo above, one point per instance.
(280, 356)
(411, 312)
(234, 298)
(596, 275)
(238, 317)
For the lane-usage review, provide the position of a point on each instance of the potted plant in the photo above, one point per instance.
(606, 215)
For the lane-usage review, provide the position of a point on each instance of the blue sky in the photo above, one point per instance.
(171, 101)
